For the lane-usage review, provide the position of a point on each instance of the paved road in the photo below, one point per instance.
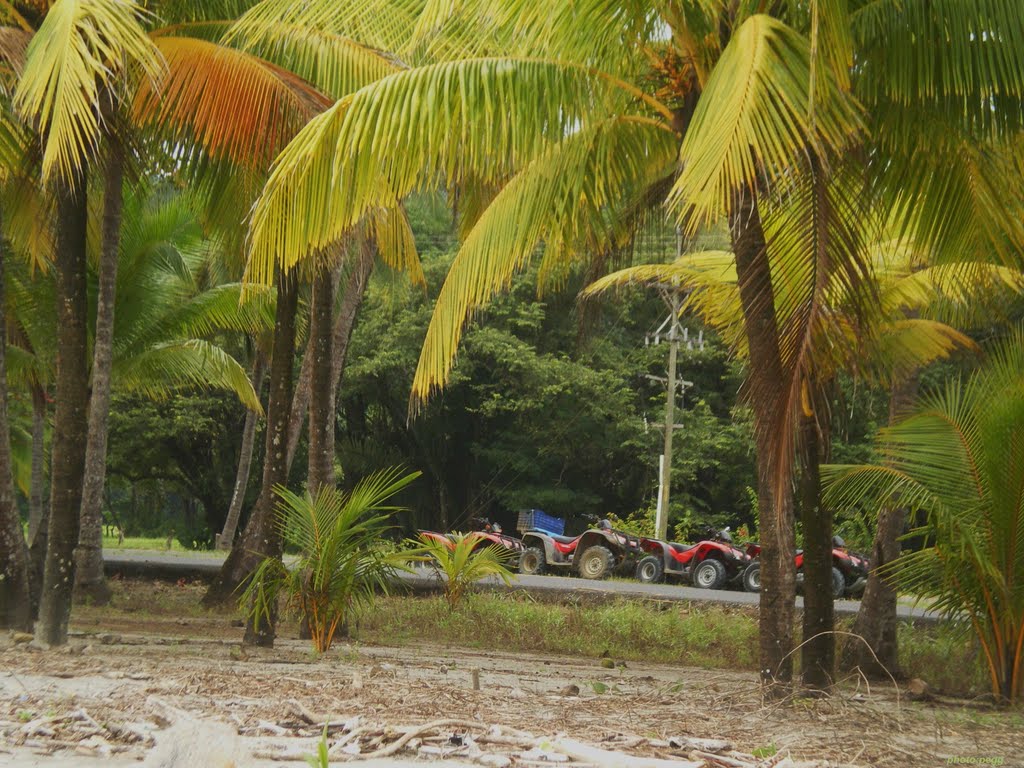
(176, 565)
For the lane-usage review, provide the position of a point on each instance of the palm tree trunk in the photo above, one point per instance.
(36, 521)
(15, 594)
(775, 500)
(266, 535)
(261, 537)
(89, 579)
(70, 421)
(300, 400)
(39, 511)
(876, 619)
(321, 407)
(227, 536)
(818, 652)
(355, 290)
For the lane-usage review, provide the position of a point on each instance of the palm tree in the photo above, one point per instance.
(15, 602)
(957, 457)
(78, 56)
(335, 64)
(342, 562)
(163, 342)
(167, 315)
(568, 124)
(903, 337)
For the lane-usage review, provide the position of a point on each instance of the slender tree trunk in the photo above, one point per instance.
(775, 500)
(267, 534)
(233, 573)
(321, 406)
(818, 652)
(38, 474)
(90, 582)
(15, 593)
(352, 300)
(876, 619)
(300, 401)
(70, 421)
(261, 536)
(39, 510)
(227, 536)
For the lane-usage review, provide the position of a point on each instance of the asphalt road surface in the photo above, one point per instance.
(191, 565)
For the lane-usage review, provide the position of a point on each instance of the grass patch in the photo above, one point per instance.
(946, 656)
(143, 598)
(695, 634)
(143, 542)
(701, 636)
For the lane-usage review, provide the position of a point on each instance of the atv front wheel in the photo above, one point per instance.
(752, 577)
(532, 562)
(838, 583)
(596, 563)
(650, 570)
(710, 574)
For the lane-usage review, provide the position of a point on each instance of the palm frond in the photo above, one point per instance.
(754, 119)
(560, 197)
(905, 346)
(390, 229)
(158, 371)
(386, 25)
(480, 118)
(81, 47)
(923, 52)
(229, 104)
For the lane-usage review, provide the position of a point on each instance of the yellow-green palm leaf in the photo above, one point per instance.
(83, 47)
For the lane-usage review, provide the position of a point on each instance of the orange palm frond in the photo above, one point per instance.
(13, 44)
(234, 105)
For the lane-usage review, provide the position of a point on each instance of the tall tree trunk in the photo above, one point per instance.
(775, 500)
(876, 619)
(90, 582)
(321, 406)
(39, 510)
(261, 536)
(351, 301)
(232, 574)
(300, 401)
(227, 536)
(70, 421)
(15, 594)
(267, 534)
(818, 652)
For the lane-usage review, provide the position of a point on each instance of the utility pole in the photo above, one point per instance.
(676, 335)
(665, 480)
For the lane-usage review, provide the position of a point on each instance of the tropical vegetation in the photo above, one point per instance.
(341, 563)
(957, 460)
(245, 242)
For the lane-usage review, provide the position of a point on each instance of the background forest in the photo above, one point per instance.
(550, 407)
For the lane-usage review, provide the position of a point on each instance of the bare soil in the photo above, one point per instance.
(124, 672)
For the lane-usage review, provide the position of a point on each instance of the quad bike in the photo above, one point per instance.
(710, 564)
(486, 534)
(849, 570)
(594, 554)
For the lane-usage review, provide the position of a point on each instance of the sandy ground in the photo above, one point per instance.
(116, 687)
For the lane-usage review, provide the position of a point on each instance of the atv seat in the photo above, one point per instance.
(681, 547)
(555, 536)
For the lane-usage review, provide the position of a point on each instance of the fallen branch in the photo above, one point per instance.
(608, 759)
(416, 732)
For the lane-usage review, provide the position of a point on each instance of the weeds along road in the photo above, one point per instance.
(176, 565)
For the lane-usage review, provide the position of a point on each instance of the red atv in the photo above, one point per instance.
(594, 553)
(710, 564)
(849, 570)
(486, 533)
